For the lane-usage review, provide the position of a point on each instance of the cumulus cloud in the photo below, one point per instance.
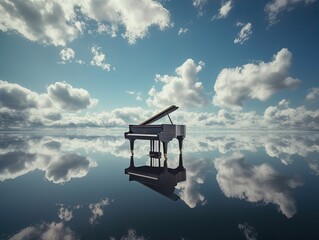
(59, 108)
(51, 230)
(70, 98)
(59, 22)
(14, 96)
(234, 86)
(224, 10)
(313, 95)
(49, 22)
(275, 7)
(182, 31)
(135, 16)
(99, 59)
(184, 88)
(244, 33)
(67, 55)
(21, 107)
(282, 116)
(96, 209)
(256, 183)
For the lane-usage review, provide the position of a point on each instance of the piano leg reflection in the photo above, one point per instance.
(160, 179)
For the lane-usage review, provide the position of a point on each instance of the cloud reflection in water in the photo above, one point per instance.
(256, 183)
(51, 230)
(25, 154)
(59, 158)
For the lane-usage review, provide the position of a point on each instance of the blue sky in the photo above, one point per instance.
(226, 64)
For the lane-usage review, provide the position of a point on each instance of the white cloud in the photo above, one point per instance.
(281, 116)
(259, 81)
(135, 16)
(244, 33)
(46, 231)
(256, 183)
(96, 209)
(14, 96)
(67, 55)
(183, 88)
(274, 7)
(110, 30)
(59, 22)
(70, 98)
(199, 5)
(49, 22)
(99, 59)
(182, 31)
(224, 10)
(130, 92)
(137, 95)
(21, 107)
(313, 95)
(79, 61)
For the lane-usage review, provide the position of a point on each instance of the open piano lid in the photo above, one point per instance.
(160, 115)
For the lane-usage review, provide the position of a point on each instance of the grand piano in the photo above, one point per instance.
(157, 134)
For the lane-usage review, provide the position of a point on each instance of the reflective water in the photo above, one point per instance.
(238, 186)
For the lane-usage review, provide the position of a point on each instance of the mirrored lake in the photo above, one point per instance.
(75, 185)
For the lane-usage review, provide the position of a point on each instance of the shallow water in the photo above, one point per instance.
(238, 186)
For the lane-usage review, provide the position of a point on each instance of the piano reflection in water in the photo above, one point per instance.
(157, 134)
(160, 179)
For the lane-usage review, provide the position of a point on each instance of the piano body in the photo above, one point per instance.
(157, 134)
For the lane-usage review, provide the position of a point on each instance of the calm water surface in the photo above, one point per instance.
(238, 186)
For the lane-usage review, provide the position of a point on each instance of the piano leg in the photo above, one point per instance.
(180, 144)
(180, 163)
(165, 150)
(165, 165)
(132, 161)
(132, 146)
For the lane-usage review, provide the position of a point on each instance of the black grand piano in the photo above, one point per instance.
(157, 134)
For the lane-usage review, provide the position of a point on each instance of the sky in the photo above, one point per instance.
(107, 63)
